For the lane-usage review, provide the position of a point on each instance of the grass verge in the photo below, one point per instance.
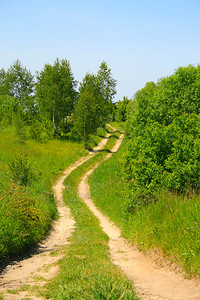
(86, 271)
(26, 212)
(171, 226)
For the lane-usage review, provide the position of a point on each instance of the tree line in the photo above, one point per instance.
(52, 104)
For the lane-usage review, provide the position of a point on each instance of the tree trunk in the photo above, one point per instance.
(54, 122)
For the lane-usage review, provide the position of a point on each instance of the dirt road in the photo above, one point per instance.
(42, 265)
(151, 281)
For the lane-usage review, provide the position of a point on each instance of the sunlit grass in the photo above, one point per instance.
(18, 208)
(172, 226)
(86, 270)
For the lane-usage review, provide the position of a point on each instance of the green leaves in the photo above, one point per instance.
(164, 130)
(95, 101)
(85, 115)
(22, 171)
(55, 92)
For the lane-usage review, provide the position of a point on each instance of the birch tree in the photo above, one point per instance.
(55, 92)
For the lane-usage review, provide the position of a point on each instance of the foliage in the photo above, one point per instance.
(121, 107)
(31, 107)
(107, 86)
(22, 222)
(55, 92)
(94, 104)
(22, 170)
(18, 82)
(85, 115)
(170, 227)
(8, 109)
(40, 130)
(163, 127)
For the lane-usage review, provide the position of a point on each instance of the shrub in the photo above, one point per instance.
(22, 171)
(22, 223)
(164, 132)
(40, 131)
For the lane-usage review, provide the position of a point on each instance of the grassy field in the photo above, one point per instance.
(172, 226)
(86, 270)
(26, 212)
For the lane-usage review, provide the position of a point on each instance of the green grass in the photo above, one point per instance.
(118, 125)
(172, 226)
(86, 271)
(26, 213)
(106, 187)
(162, 227)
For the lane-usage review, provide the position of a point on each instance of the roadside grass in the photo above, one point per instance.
(106, 187)
(26, 212)
(171, 227)
(86, 272)
(120, 126)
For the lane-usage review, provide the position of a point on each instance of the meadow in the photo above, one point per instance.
(27, 210)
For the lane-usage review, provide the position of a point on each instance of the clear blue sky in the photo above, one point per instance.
(141, 40)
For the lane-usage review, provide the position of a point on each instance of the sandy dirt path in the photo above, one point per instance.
(151, 281)
(42, 265)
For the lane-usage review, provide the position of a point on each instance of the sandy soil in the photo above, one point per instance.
(42, 265)
(152, 282)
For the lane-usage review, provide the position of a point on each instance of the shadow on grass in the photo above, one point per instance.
(13, 260)
(98, 151)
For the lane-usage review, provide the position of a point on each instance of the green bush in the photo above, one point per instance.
(164, 131)
(22, 170)
(22, 223)
(40, 131)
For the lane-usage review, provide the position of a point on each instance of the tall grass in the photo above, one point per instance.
(172, 225)
(86, 271)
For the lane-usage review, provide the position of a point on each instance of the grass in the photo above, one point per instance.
(106, 185)
(118, 125)
(171, 227)
(26, 212)
(86, 271)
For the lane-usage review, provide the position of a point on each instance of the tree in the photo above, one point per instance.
(87, 110)
(55, 91)
(18, 82)
(95, 101)
(85, 115)
(8, 109)
(107, 86)
(121, 107)
(91, 86)
(2, 81)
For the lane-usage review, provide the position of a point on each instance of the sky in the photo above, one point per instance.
(140, 40)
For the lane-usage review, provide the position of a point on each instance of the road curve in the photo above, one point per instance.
(151, 282)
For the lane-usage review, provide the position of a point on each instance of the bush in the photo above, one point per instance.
(164, 132)
(22, 171)
(40, 131)
(22, 223)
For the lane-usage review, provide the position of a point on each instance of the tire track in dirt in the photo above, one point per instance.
(42, 266)
(151, 282)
